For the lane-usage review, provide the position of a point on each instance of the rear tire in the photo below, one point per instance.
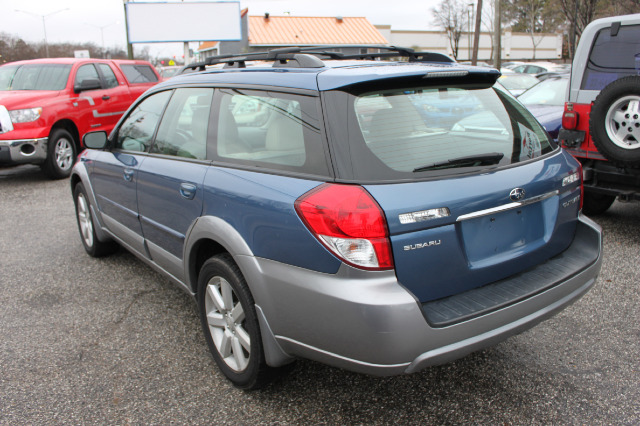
(615, 122)
(61, 154)
(230, 324)
(595, 204)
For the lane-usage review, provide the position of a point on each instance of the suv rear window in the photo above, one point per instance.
(612, 58)
(403, 133)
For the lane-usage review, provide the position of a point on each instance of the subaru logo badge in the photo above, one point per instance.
(516, 194)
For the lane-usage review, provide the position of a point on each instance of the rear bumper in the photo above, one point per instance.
(23, 151)
(368, 322)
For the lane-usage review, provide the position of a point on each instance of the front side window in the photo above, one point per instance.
(270, 129)
(403, 133)
(136, 131)
(612, 57)
(183, 131)
(86, 72)
(34, 77)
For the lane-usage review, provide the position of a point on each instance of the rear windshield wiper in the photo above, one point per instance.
(469, 161)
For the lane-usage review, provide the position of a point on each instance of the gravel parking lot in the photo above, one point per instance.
(110, 341)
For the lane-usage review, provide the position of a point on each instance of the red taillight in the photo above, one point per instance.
(349, 222)
(569, 118)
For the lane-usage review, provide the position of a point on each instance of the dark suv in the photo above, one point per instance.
(317, 205)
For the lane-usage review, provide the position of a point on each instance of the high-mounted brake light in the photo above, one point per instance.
(570, 117)
(349, 222)
(443, 74)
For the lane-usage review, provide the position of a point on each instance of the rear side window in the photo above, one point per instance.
(612, 57)
(34, 77)
(109, 77)
(183, 131)
(137, 130)
(139, 74)
(403, 133)
(269, 129)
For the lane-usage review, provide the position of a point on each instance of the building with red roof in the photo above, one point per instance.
(265, 32)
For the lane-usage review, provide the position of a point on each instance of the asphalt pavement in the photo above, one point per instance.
(109, 341)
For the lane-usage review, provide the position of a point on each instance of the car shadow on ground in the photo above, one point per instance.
(24, 173)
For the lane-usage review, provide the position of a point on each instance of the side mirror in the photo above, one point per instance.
(87, 84)
(95, 140)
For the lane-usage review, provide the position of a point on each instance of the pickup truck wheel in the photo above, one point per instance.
(230, 324)
(61, 154)
(92, 245)
(615, 122)
(595, 204)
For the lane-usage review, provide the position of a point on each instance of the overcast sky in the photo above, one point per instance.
(89, 20)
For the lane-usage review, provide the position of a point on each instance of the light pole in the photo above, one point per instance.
(44, 26)
(102, 27)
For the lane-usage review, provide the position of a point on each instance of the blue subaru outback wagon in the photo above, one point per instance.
(312, 209)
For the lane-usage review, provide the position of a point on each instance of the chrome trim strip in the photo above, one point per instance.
(506, 207)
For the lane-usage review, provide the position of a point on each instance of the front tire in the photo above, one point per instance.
(92, 245)
(230, 324)
(61, 154)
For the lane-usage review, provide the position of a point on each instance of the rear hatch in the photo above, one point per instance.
(471, 195)
(452, 235)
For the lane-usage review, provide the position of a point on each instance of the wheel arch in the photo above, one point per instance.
(70, 127)
(78, 176)
(209, 237)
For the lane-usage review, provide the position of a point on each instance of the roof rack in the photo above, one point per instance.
(311, 56)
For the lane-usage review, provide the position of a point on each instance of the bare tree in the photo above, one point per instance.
(451, 16)
(533, 9)
(578, 13)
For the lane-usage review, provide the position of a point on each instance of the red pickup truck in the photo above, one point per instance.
(47, 105)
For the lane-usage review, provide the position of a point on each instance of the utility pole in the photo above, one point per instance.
(497, 36)
(476, 33)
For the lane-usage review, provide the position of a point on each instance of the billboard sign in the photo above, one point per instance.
(183, 22)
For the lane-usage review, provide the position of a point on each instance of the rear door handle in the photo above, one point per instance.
(106, 97)
(188, 190)
(128, 174)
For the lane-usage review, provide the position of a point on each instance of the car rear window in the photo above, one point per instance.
(552, 91)
(34, 77)
(139, 74)
(612, 57)
(411, 132)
